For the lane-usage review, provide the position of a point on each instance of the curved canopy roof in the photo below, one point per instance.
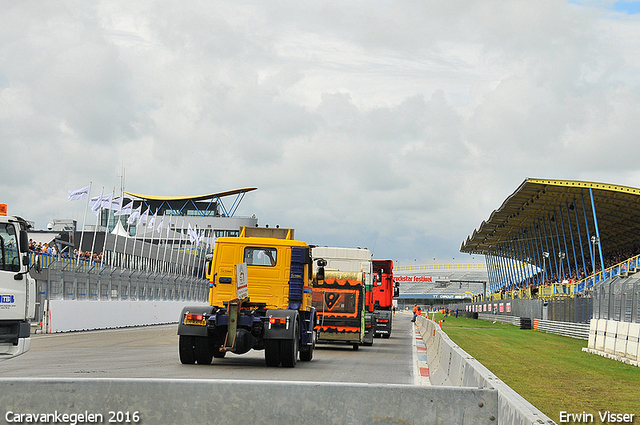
(192, 198)
(561, 204)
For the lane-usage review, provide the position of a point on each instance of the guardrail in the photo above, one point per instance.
(573, 330)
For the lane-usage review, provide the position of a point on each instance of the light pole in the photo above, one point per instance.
(561, 256)
(595, 241)
(545, 255)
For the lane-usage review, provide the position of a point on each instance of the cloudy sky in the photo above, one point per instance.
(395, 125)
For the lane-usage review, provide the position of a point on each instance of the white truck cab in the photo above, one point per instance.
(17, 287)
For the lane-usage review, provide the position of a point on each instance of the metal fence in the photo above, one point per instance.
(68, 279)
(617, 299)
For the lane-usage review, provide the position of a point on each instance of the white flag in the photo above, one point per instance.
(134, 215)
(144, 217)
(116, 204)
(191, 233)
(127, 209)
(160, 226)
(80, 194)
(152, 221)
(98, 203)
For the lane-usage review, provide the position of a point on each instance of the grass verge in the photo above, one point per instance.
(550, 371)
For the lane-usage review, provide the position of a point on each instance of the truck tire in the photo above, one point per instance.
(272, 352)
(187, 350)
(355, 347)
(203, 350)
(386, 335)
(289, 348)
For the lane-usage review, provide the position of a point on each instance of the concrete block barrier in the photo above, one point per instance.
(601, 330)
(190, 401)
(633, 343)
(615, 340)
(622, 332)
(610, 337)
(593, 323)
(453, 366)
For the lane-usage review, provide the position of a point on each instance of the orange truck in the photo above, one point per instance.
(340, 298)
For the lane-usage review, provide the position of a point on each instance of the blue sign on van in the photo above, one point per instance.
(7, 299)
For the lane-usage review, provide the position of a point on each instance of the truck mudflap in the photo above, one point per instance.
(193, 320)
(281, 324)
(383, 320)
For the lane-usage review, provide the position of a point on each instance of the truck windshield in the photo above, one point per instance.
(9, 258)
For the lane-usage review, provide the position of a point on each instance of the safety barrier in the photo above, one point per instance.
(616, 340)
(449, 365)
(192, 401)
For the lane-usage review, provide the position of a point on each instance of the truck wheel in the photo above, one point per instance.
(289, 349)
(386, 335)
(272, 352)
(203, 350)
(187, 351)
(355, 347)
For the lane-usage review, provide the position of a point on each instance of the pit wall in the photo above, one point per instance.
(616, 340)
(449, 365)
(72, 315)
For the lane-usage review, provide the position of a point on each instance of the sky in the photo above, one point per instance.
(393, 125)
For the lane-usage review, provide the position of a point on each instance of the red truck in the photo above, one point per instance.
(381, 299)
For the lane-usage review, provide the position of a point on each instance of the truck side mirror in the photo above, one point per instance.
(396, 290)
(320, 272)
(24, 242)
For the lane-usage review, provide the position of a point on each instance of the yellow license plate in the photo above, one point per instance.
(195, 322)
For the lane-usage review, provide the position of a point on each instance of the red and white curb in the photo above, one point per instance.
(420, 369)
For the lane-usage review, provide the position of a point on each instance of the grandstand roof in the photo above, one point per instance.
(617, 210)
(193, 198)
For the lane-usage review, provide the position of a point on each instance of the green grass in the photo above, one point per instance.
(550, 371)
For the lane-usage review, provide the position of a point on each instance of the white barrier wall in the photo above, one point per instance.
(223, 402)
(615, 340)
(449, 365)
(71, 315)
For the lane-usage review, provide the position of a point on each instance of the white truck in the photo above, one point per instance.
(17, 287)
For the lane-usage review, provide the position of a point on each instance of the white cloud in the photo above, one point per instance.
(395, 125)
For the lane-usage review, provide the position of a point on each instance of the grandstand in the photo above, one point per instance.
(439, 283)
(551, 233)
(563, 256)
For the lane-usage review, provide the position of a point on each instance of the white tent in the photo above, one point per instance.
(119, 230)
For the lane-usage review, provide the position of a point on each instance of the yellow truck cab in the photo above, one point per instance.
(260, 297)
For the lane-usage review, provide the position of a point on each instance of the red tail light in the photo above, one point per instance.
(194, 317)
(383, 320)
(277, 320)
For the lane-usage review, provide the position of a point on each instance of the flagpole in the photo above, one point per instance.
(164, 213)
(184, 254)
(93, 243)
(166, 242)
(178, 255)
(144, 237)
(135, 239)
(104, 245)
(83, 223)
